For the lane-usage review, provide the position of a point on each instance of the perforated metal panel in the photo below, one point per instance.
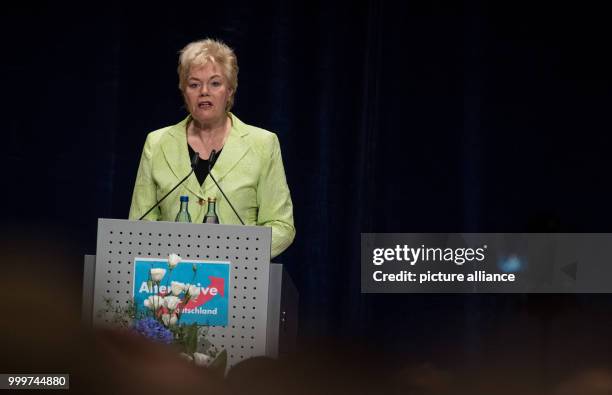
(247, 248)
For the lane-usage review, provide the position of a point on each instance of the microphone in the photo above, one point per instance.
(194, 163)
(211, 160)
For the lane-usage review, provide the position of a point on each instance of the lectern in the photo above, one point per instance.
(262, 311)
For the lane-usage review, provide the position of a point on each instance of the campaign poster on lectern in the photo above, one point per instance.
(196, 291)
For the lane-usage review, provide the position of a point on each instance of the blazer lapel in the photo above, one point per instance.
(233, 150)
(177, 156)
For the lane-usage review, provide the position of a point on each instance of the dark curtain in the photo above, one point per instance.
(421, 117)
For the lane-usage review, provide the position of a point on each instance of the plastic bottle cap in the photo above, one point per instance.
(184, 198)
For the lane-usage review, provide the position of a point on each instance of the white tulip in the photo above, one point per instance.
(154, 302)
(201, 359)
(157, 274)
(194, 291)
(171, 302)
(169, 320)
(177, 288)
(173, 260)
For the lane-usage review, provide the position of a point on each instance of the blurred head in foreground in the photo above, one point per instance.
(42, 330)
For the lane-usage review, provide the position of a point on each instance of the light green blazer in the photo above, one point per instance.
(249, 169)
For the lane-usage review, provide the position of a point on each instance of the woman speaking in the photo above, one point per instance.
(248, 165)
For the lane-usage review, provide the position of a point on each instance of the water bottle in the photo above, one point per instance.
(211, 214)
(183, 214)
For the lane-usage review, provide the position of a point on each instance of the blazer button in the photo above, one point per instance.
(201, 201)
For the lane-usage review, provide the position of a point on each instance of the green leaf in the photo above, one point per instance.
(219, 364)
(191, 339)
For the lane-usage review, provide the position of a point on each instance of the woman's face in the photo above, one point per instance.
(206, 94)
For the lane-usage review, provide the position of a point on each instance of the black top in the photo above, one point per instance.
(201, 170)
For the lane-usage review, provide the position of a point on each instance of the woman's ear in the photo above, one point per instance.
(229, 98)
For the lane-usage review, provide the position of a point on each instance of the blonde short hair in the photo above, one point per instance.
(199, 53)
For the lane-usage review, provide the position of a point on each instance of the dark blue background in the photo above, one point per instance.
(392, 118)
